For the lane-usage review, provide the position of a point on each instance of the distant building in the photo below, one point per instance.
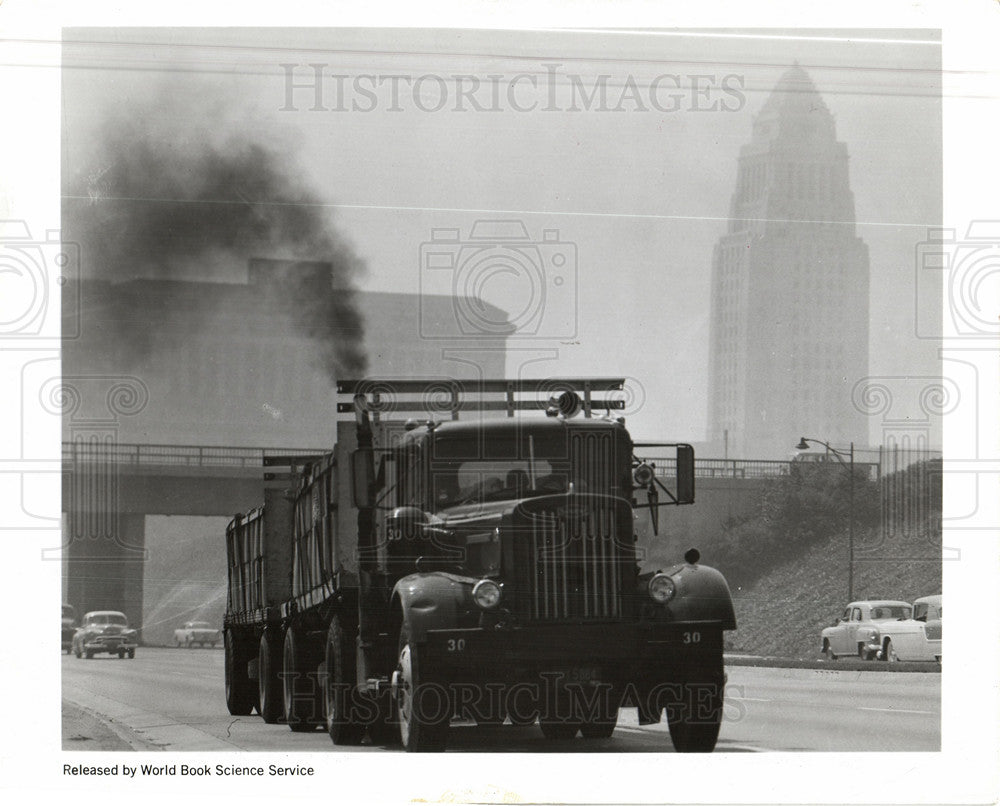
(789, 325)
(246, 364)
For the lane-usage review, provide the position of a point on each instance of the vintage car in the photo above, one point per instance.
(917, 638)
(197, 632)
(857, 631)
(68, 627)
(104, 631)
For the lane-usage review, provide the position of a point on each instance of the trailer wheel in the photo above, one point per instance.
(240, 693)
(341, 690)
(270, 703)
(423, 710)
(299, 684)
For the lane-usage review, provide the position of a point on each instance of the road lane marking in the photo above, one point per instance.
(894, 710)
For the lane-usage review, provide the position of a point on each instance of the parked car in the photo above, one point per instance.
(68, 627)
(197, 632)
(858, 630)
(104, 631)
(917, 638)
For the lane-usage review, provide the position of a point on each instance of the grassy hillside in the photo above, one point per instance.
(781, 613)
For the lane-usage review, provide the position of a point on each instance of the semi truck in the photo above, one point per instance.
(465, 564)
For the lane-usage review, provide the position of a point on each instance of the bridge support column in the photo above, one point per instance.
(105, 571)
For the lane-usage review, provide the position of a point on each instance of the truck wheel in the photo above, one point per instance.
(131, 654)
(270, 703)
(423, 710)
(77, 652)
(599, 728)
(889, 653)
(300, 688)
(384, 730)
(694, 712)
(239, 687)
(827, 651)
(559, 718)
(600, 721)
(121, 654)
(341, 686)
(521, 705)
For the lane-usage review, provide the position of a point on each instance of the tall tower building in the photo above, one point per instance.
(789, 327)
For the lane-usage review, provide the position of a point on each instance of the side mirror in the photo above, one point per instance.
(363, 478)
(685, 474)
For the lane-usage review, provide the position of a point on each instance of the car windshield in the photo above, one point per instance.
(109, 618)
(923, 611)
(890, 612)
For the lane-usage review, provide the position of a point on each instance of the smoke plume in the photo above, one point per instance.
(188, 205)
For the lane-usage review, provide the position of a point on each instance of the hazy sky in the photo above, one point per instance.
(637, 184)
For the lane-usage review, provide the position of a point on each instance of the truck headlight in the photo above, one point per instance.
(486, 593)
(661, 588)
(642, 475)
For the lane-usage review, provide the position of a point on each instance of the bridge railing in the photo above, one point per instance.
(174, 455)
(745, 468)
(202, 456)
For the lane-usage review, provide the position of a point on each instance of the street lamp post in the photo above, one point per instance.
(804, 445)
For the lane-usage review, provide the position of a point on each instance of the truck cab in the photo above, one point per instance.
(508, 553)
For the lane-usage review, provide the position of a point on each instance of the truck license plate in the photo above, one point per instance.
(582, 674)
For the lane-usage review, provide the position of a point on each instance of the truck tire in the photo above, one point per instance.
(270, 701)
(558, 717)
(694, 706)
(599, 728)
(341, 693)
(384, 729)
(423, 711)
(240, 693)
(302, 693)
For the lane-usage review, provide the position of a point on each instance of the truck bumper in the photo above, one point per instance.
(630, 662)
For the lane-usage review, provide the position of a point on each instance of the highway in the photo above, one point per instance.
(172, 699)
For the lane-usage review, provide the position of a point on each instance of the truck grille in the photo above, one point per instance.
(574, 560)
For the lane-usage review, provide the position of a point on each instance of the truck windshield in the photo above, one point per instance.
(464, 472)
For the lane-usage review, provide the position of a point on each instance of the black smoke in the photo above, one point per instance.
(148, 204)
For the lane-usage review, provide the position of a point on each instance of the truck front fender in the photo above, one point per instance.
(434, 601)
(702, 595)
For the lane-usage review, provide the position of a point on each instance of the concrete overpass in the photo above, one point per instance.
(108, 490)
